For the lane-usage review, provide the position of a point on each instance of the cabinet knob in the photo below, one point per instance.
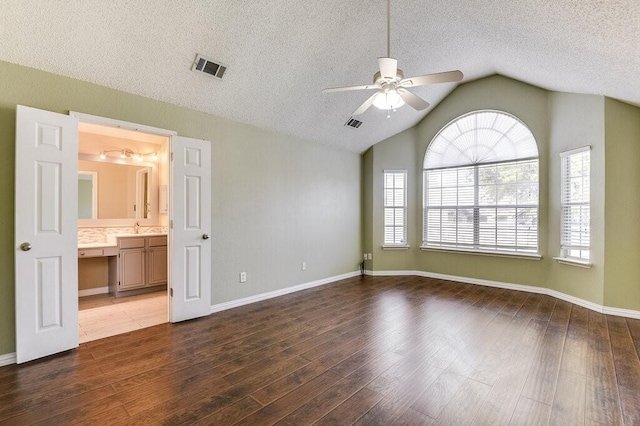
(205, 236)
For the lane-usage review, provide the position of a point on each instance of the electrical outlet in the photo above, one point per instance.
(243, 277)
(304, 266)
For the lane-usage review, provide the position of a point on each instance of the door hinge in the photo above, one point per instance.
(171, 292)
(171, 156)
(171, 224)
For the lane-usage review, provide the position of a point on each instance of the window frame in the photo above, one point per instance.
(385, 243)
(475, 246)
(565, 178)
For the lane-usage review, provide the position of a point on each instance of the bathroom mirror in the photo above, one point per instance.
(87, 195)
(122, 193)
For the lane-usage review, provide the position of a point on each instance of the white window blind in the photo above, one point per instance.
(473, 202)
(576, 212)
(395, 208)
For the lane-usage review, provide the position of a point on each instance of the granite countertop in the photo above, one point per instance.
(112, 240)
(146, 234)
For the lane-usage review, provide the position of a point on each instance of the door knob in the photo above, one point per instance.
(205, 237)
(25, 246)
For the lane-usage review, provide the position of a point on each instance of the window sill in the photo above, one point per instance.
(395, 247)
(573, 262)
(526, 256)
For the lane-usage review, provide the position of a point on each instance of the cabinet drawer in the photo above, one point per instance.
(126, 243)
(92, 252)
(158, 241)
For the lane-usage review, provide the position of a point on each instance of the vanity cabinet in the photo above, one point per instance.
(157, 260)
(140, 266)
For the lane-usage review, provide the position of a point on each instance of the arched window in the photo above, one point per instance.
(481, 185)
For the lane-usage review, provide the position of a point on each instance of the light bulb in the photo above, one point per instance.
(380, 101)
(394, 100)
(155, 156)
(138, 157)
(390, 99)
(103, 155)
(123, 154)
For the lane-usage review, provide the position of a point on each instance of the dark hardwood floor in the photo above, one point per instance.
(366, 351)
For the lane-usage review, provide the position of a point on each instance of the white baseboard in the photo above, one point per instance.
(270, 295)
(391, 273)
(628, 313)
(619, 312)
(93, 291)
(7, 359)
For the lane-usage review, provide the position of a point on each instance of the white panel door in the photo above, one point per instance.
(46, 233)
(190, 261)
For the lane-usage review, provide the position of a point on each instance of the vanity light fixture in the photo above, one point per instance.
(129, 154)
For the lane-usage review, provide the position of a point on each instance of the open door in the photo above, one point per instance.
(46, 205)
(190, 246)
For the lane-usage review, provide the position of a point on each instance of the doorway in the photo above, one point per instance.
(120, 173)
(46, 231)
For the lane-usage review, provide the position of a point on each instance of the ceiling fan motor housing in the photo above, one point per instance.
(378, 79)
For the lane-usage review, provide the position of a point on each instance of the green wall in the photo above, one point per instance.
(277, 200)
(577, 121)
(396, 156)
(367, 202)
(622, 206)
(407, 151)
(559, 122)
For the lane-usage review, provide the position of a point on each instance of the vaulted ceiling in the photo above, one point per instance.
(281, 53)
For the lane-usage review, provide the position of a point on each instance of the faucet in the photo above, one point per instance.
(136, 228)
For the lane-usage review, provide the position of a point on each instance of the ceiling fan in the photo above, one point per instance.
(391, 85)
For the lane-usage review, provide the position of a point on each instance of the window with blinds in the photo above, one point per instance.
(576, 212)
(395, 208)
(481, 186)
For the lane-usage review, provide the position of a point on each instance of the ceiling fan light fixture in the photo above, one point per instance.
(392, 87)
(390, 99)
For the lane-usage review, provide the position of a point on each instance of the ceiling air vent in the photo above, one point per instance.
(208, 66)
(353, 123)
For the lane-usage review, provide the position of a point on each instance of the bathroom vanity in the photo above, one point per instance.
(140, 266)
(137, 263)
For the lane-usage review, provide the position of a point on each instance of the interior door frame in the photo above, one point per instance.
(111, 122)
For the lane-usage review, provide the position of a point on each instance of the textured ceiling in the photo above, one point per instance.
(281, 53)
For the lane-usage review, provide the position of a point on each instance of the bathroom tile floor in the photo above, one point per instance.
(103, 315)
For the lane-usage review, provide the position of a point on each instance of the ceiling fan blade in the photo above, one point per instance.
(365, 105)
(344, 89)
(442, 77)
(388, 67)
(416, 102)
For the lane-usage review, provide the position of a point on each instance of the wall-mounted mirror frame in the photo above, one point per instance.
(87, 194)
(153, 220)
